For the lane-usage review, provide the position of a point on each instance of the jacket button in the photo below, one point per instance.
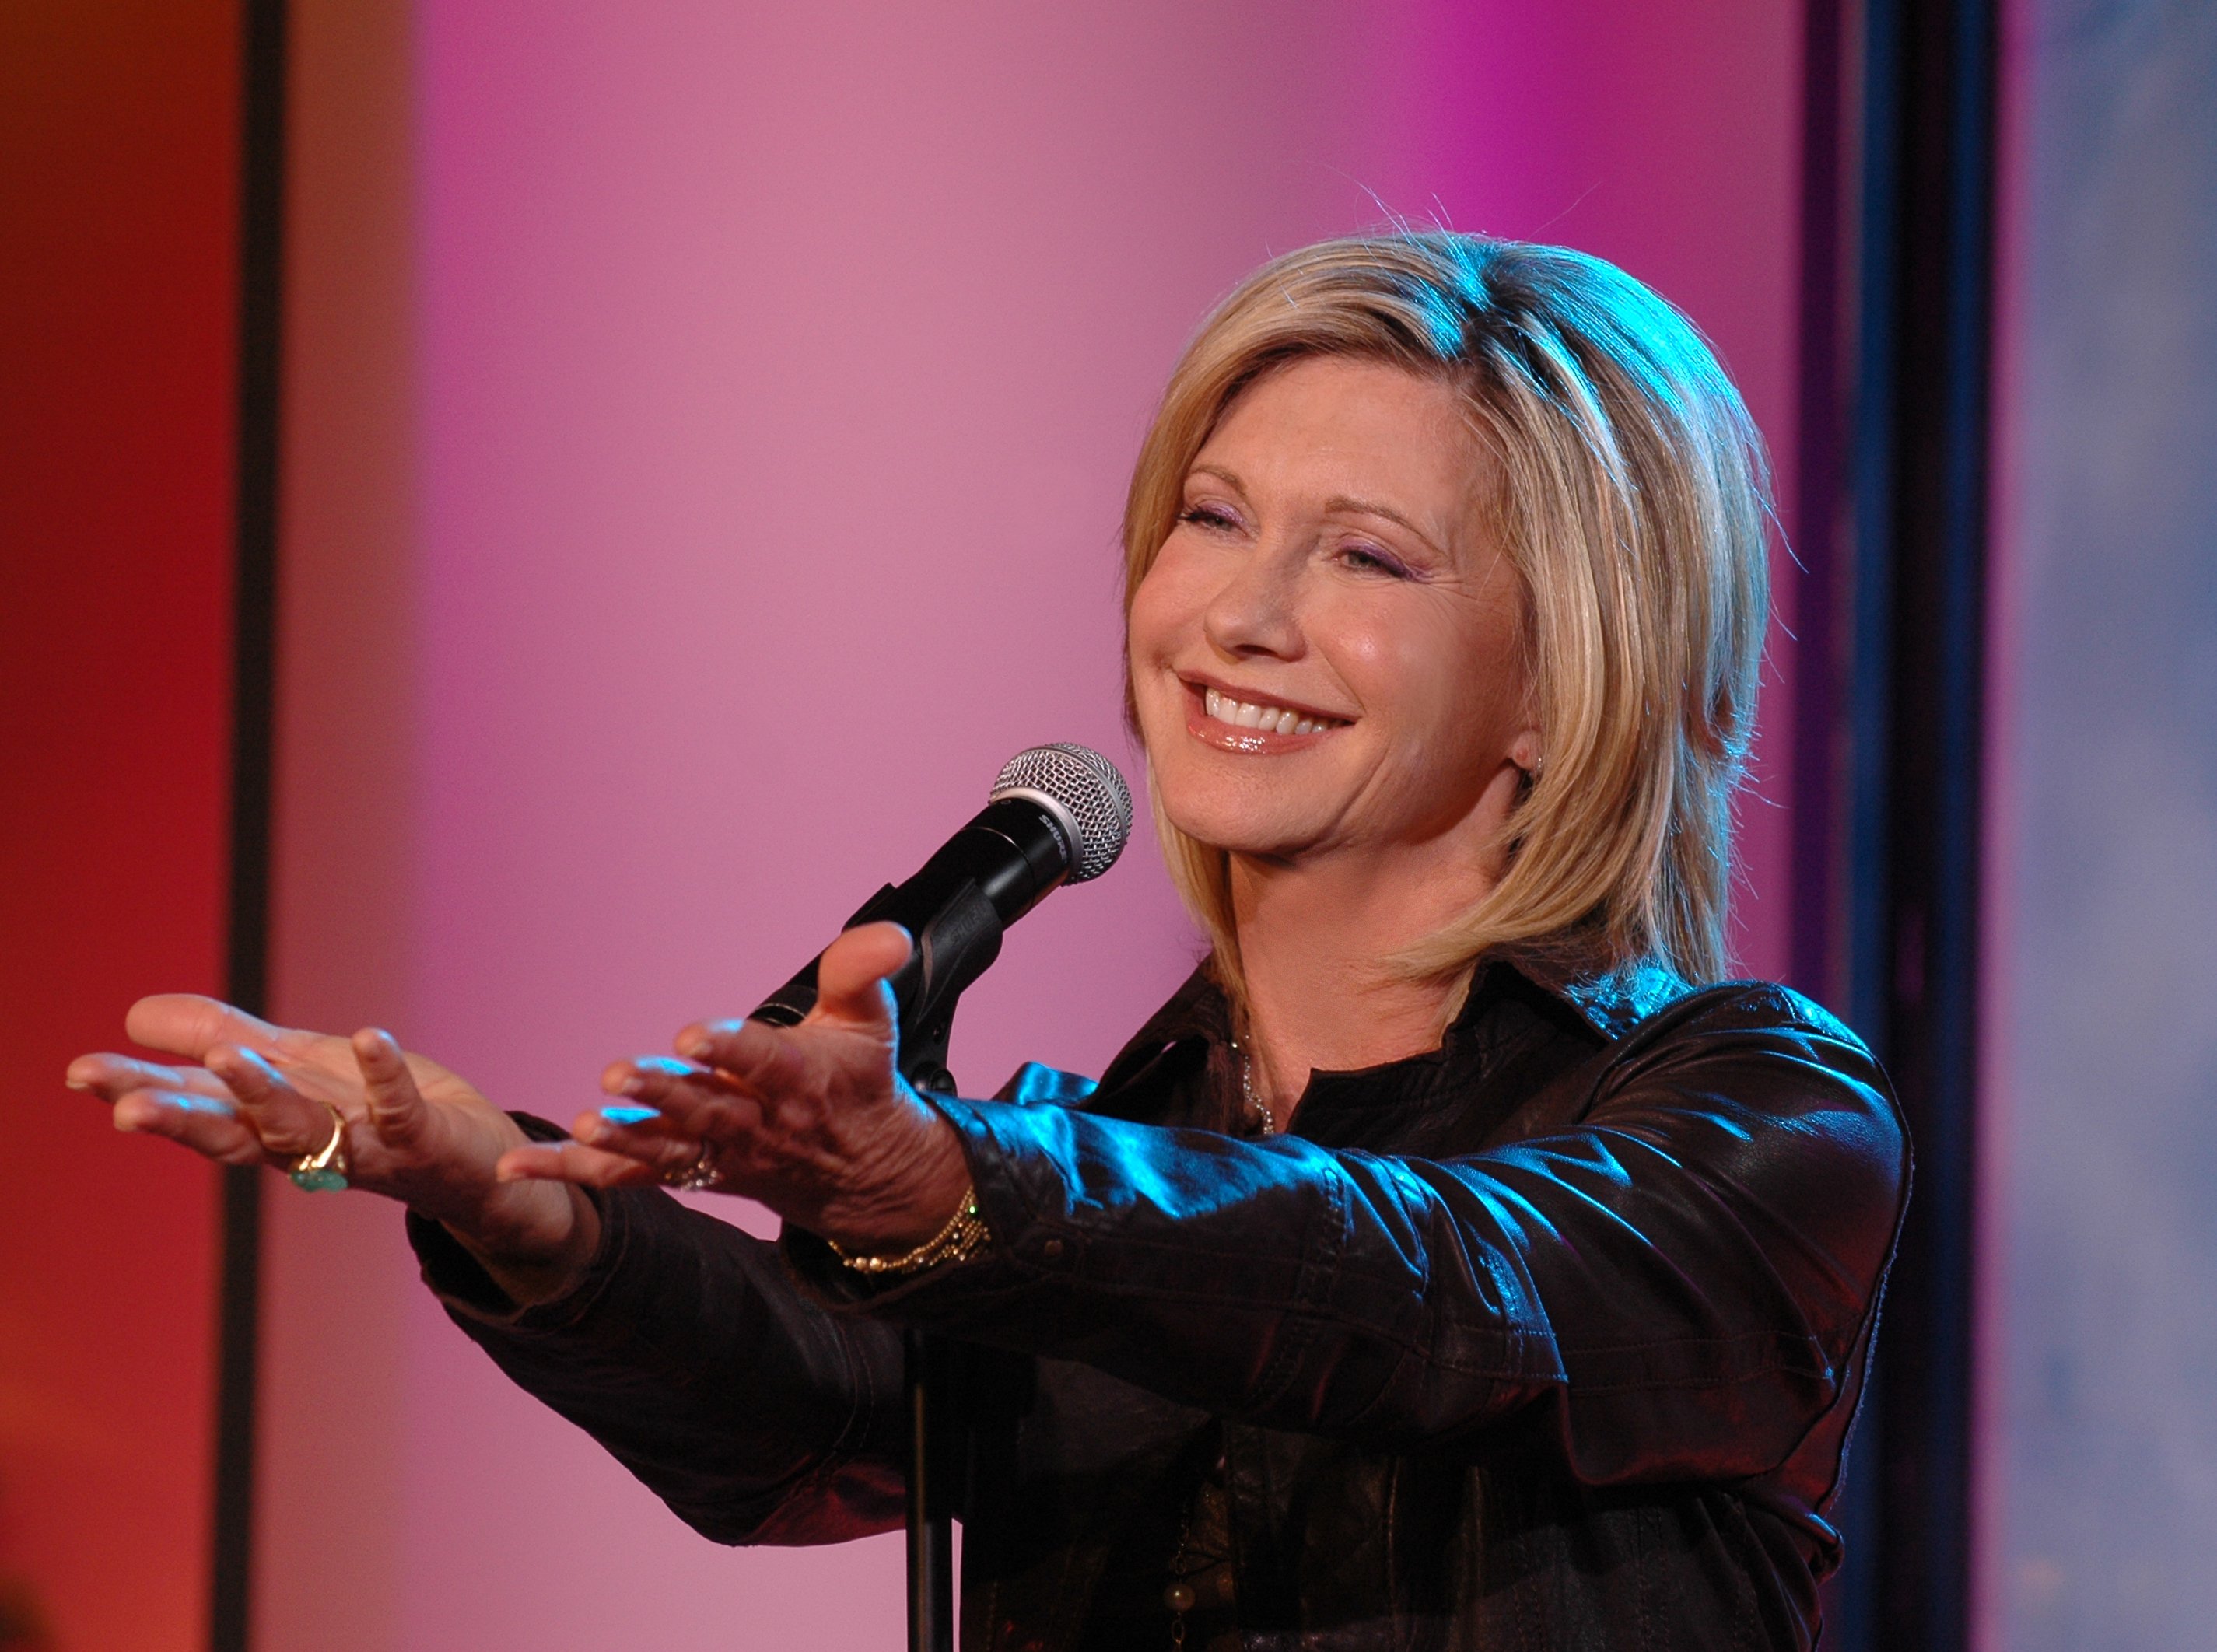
(1052, 1250)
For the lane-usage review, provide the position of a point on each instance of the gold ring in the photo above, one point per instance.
(698, 1176)
(325, 1171)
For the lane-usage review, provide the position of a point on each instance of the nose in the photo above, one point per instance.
(1257, 611)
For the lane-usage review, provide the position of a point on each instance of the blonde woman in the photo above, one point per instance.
(1452, 1262)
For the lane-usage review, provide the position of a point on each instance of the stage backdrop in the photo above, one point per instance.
(2100, 1142)
(119, 222)
(707, 427)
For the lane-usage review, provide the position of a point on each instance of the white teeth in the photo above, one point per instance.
(1248, 714)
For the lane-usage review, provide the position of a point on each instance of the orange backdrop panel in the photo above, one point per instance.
(118, 189)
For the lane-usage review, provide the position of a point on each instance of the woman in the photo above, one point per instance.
(1447, 1264)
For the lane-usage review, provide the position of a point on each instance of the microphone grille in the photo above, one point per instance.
(1086, 788)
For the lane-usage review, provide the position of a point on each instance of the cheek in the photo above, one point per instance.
(1438, 684)
(1153, 633)
(1167, 611)
(1157, 613)
(1395, 657)
(1476, 688)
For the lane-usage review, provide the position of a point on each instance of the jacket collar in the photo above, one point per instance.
(1612, 1001)
(1608, 1002)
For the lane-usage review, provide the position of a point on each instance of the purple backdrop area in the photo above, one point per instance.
(2101, 1140)
(707, 428)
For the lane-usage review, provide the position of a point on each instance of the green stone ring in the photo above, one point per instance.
(325, 1170)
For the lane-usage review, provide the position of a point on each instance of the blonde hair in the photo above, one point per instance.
(1632, 498)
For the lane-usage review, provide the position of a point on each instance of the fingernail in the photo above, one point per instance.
(694, 1046)
(75, 1084)
(623, 1115)
(123, 1125)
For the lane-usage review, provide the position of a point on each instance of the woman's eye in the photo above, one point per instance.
(1208, 516)
(1369, 559)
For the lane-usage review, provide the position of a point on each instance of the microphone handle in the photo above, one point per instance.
(989, 874)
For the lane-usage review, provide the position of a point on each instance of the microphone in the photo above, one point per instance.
(1058, 814)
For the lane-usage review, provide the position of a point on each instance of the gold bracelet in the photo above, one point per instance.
(964, 1236)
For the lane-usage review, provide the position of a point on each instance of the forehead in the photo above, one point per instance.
(1328, 425)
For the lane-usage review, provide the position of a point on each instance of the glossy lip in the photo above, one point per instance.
(1226, 737)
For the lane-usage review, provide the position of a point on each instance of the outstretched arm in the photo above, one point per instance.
(678, 1341)
(248, 1092)
(1686, 1271)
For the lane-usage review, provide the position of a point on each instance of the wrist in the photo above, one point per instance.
(919, 1188)
(537, 1259)
(963, 1235)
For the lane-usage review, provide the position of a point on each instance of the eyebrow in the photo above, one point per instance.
(1342, 504)
(1338, 504)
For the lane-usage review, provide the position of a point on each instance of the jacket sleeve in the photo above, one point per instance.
(1685, 1273)
(688, 1351)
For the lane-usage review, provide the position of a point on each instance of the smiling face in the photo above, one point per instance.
(1325, 654)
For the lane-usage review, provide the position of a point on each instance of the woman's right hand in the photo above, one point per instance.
(253, 1093)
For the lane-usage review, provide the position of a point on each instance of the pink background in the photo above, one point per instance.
(706, 427)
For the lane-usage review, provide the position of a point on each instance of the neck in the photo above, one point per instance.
(1317, 943)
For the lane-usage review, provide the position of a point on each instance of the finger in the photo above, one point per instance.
(638, 1134)
(396, 1109)
(186, 1024)
(209, 1125)
(677, 1098)
(287, 1122)
(850, 976)
(112, 1076)
(572, 1162)
(748, 1059)
(649, 1079)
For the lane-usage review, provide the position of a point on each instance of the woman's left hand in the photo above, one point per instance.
(814, 1120)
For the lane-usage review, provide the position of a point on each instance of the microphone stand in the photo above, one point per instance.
(954, 947)
(924, 1376)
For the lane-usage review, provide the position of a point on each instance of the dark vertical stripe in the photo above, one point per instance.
(1825, 701)
(261, 251)
(1919, 484)
(1897, 168)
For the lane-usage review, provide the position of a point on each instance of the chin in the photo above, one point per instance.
(1222, 817)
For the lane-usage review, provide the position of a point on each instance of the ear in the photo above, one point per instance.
(1527, 752)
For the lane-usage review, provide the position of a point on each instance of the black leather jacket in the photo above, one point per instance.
(1550, 1338)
